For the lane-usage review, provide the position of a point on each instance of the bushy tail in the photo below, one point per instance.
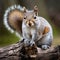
(13, 19)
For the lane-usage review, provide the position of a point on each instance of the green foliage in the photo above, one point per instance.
(6, 38)
(56, 40)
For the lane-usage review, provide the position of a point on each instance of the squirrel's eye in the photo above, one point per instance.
(35, 17)
(24, 17)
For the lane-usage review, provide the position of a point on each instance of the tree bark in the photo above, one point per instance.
(13, 52)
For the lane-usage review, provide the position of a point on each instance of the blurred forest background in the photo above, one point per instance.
(49, 9)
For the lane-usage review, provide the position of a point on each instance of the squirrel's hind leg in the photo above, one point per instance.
(45, 42)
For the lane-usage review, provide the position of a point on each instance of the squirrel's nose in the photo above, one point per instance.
(29, 24)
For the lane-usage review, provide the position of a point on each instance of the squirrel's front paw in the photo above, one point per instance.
(32, 43)
(44, 47)
(26, 42)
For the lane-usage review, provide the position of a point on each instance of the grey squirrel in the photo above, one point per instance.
(36, 29)
(33, 28)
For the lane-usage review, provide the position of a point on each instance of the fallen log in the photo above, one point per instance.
(15, 52)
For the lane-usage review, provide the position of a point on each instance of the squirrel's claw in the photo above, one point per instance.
(32, 43)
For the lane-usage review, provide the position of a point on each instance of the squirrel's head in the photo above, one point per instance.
(30, 16)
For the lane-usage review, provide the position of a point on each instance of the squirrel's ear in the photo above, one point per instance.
(24, 9)
(36, 10)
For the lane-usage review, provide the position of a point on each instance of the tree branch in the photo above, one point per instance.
(18, 52)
